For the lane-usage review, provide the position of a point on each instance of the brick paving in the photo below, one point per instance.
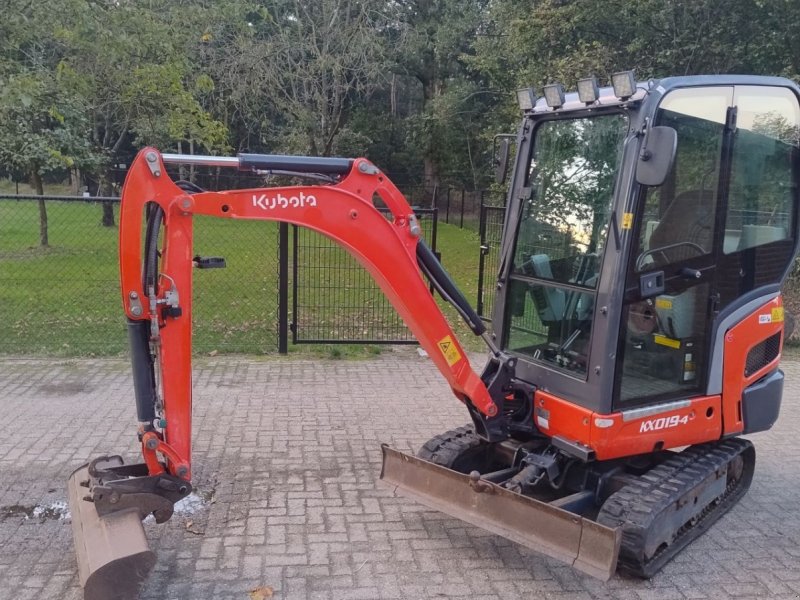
(286, 460)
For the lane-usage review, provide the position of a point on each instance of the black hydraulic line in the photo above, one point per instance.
(299, 164)
(144, 379)
(150, 266)
(445, 285)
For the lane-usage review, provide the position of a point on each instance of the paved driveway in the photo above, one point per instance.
(286, 459)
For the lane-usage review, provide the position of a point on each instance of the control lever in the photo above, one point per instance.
(688, 273)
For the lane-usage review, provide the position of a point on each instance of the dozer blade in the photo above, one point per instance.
(113, 557)
(584, 544)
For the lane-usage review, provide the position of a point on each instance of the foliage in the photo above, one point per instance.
(420, 86)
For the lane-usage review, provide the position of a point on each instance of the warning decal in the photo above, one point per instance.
(627, 220)
(449, 350)
(665, 341)
(777, 314)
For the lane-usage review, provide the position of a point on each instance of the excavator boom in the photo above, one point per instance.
(156, 284)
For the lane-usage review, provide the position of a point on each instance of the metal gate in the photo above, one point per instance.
(335, 300)
(491, 232)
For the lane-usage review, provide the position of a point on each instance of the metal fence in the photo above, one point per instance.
(335, 300)
(491, 232)
(456, 205)
(64, 299)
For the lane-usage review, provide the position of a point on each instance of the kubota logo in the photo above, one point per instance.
(264, 202)
(663, 423)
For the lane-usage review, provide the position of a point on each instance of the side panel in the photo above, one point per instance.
(740, 340)
(631, 432)
(659, 427)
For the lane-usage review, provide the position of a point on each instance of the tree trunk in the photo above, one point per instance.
(36, 182)
(431, 172)
(104, 189)
(431, 88)
(108, 215)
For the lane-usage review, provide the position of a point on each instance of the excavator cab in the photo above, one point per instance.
(616, 294)
(648, 230)
(636, 334)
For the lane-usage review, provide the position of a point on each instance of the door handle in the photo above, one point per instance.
(688, 273)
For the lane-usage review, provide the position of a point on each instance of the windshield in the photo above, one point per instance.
(562, 233)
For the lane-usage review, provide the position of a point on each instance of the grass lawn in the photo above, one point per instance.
(64, 300)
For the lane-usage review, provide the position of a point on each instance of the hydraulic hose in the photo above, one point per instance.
(155, 215)
(144, 379)
(447, 288)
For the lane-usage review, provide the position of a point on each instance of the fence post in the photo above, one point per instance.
(482, 255)
(283, 288)
(461, 223)
(447, 208)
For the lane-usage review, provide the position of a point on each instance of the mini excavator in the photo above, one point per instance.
(637, 325)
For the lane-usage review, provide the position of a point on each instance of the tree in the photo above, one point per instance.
(305, 64)
(434, 39)
(43, 126)
(133, 62)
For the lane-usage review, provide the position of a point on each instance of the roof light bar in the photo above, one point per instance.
(554, 95)
(526, 98)
(624, 84)
(588, 90)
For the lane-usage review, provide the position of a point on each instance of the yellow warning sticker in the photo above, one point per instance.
(449, 350)
(663, 303)
(627, 220)
(665, 341)
(777, 315)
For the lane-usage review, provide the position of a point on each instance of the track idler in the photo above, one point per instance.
(108, 501)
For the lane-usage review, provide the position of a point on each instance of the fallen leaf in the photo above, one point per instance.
(261, 593)
(190, 528)
(213, 353)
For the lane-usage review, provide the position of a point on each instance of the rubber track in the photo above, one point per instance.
(444, 449)
(638, 505)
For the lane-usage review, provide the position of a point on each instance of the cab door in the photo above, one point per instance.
(670, 296)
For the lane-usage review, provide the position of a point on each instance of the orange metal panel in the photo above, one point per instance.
(612, 436)
(739, 340)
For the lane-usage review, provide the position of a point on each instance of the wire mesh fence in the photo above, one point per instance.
(335, 300)
(491, 231)
(456, 205)
(64, 299)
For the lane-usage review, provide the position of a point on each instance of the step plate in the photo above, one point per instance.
(587, 546)
(112, 552)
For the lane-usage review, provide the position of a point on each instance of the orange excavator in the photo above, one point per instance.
(636, 333)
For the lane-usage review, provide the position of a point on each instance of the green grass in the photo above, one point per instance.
(64, 300)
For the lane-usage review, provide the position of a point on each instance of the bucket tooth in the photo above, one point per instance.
(113, 557)
(586, 545)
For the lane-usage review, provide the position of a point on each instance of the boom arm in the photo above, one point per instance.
(159, 308)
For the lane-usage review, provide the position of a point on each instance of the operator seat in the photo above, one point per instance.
(689, 218)
(550, 302)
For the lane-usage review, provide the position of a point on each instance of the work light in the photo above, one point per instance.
(526, 98)
(588, 90)
(554, 95)
(624, 84)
